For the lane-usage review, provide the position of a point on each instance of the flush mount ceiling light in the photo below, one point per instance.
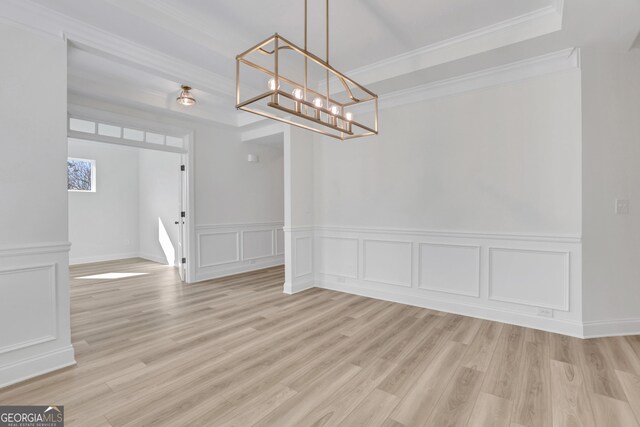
(336, 106)
(186, 98)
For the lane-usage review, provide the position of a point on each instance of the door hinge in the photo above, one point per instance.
(183, 214)
(182, 168)
(184, 260)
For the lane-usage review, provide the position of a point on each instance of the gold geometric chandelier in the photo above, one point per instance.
(284, 82)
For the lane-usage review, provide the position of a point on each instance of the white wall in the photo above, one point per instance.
(468, 203)
(159, 205)
(611, 170)
(34, 284)
(503, 159)
(229, 189)
(104, 225)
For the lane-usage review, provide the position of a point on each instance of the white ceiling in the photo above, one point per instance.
(211, 32)
(137, 52)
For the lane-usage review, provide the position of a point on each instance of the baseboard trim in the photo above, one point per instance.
(103, 258)
(216, 273)
(37, 365)
(155, 258)
(574, 329)
(611, 328)
(294, 288)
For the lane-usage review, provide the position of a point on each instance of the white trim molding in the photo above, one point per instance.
(562, 60)
(226, 249)
(611, 328)
(35, 249)
(514, 30)
(34, 366)
(451, 271)
(35, 276)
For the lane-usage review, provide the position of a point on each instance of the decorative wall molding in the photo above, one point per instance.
(41, 300)
(35, 249)
(262, 246)
(556, 278)
(34, 276)
(231, 244)
(452, 271)
(562, 60)
(439, 233)
(243, 225)
(299, 258)
(517, 29)
(386, 264)
(93, 39)
(451, 276)
(304, 256)
(340, 254)
(569, 327)
(36, 365)
(225, 249)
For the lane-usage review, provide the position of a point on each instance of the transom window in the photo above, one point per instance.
(124, 133)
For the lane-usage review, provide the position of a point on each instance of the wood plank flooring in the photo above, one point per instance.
(238, 352)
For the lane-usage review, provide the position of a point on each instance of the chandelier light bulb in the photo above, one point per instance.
(335, 110)
(298, 93)
(272, 84)
(348, 116)
(318, 102)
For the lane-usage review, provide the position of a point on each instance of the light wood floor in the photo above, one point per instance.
(236, 351)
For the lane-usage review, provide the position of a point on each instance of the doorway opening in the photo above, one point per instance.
(127, 198)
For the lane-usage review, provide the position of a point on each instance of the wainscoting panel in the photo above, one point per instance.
(388, 262)
(34, 311)
(304, 256)
(338, 256)
(28, 300)
(257, 244)
(225, 249)
(279, 241)
(529, 280)
(299, 263)
(218, 248)
(537, 278)
(450, 268)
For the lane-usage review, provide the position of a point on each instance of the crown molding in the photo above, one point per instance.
(544, 64)
(514, 30)
(95, 40)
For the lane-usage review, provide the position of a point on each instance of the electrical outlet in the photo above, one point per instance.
(622, 206)
(545, 312)
(340, 279)
(253, 261)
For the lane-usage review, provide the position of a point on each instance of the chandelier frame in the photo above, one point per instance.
(329, 119)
